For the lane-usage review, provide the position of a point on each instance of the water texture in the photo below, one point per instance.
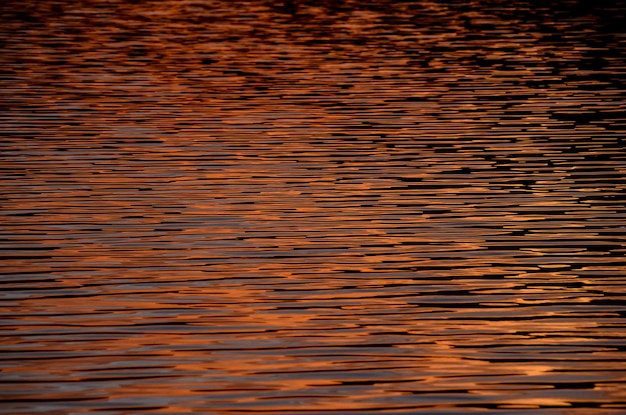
(313, 207)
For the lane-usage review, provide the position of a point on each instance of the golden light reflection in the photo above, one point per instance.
(294, 206)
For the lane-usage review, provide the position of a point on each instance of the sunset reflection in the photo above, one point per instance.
(327, 207)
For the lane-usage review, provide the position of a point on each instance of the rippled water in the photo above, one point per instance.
(347, 207)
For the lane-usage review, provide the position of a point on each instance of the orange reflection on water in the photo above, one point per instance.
(348, 206)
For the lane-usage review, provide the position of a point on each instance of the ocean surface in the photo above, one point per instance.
(312, 207)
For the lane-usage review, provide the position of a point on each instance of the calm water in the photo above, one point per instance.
(322, 207)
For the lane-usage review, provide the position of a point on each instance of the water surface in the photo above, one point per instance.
(349, 207)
